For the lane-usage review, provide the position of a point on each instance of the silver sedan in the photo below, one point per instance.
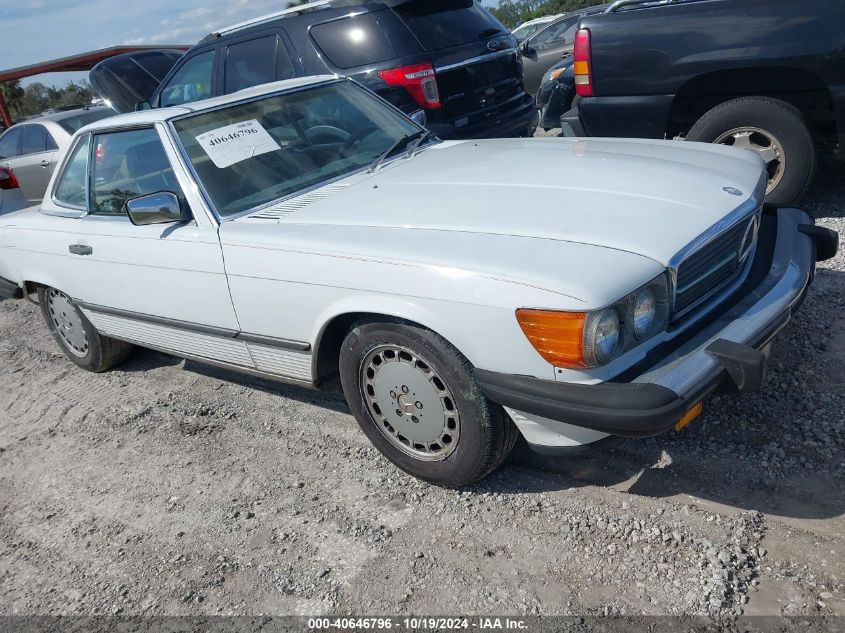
(29, 152)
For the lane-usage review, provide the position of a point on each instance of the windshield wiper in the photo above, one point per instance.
(412, 148)
(488, 32)
(402, 142)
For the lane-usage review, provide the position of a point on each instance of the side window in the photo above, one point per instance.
(70, 190)
(251, 63)
(553, 36)
(191, 82)
(9, 143)
(363, 39)
(34, 139)
(127, 165)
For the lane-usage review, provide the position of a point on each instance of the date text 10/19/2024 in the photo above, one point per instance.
(417, 624)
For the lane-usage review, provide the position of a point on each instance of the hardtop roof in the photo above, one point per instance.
(158, 115)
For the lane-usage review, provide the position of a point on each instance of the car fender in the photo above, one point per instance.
(488, 336)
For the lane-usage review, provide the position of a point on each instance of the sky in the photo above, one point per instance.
(39, 30)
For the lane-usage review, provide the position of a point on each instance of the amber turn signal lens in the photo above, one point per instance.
(557, 336)
(689, 416)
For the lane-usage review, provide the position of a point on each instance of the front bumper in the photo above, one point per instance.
(725, 351)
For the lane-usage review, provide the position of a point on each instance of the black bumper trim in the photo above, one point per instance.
(629, 409)
(826, 241)
(571, 125)
(632, 409)
(10, 290)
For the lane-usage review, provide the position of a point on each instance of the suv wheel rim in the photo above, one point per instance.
(411, 405)
(767, 146)
(68, 323)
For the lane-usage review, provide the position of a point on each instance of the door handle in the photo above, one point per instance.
(80, 249)
(45, 163)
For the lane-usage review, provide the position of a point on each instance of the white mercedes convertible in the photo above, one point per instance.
(460, 293)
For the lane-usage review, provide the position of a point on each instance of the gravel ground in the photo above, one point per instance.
(170, 488)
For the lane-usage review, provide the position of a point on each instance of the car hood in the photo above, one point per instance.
(649, 198)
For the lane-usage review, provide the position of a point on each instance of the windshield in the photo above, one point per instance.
(527, 30)
(249, 154)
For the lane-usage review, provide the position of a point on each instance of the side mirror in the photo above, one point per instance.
(526, 49)
(419, 117)
(143, 105)
(163, 207)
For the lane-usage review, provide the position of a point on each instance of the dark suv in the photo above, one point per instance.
(448, 58)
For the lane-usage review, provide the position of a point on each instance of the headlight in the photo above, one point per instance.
(603, 336)
(590, 339)
(644, 313)
(551, 75)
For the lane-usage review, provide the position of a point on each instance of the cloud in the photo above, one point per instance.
(192, 25)
(39, 30)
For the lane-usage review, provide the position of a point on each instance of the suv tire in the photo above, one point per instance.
(773, 128)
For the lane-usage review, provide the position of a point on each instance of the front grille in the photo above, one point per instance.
(715, 266)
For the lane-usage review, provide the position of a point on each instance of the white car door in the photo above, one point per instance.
(162, 285)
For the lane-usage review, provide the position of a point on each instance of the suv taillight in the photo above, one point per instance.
(582, 57)
(7, 179)
(419, 80)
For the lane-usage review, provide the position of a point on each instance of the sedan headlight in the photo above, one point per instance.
(603, 336)
(552, 74)
(591, 339)
(644, 313)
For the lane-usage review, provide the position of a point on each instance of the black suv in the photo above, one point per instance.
(448, 58)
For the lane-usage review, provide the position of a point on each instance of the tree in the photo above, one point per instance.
(36, 97)
(13, 94)
(512, 13)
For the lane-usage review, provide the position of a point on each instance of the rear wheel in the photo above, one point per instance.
(76, 336)
(415, 397)
(775, 130)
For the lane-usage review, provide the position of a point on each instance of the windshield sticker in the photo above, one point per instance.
(232, 144)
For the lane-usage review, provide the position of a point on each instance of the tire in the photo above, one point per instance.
(76, 336)
(767, 121)
(388, 370)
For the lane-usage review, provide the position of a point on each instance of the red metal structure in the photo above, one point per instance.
(80, 62)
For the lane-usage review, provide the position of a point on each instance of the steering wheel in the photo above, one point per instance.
(320, 134)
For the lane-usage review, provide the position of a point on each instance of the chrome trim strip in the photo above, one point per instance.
(297, 346)
(157, 320)
(476, 60)
(270, 341)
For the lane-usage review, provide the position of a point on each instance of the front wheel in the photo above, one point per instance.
(415, 397)
(772, 128)
(76, 336)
